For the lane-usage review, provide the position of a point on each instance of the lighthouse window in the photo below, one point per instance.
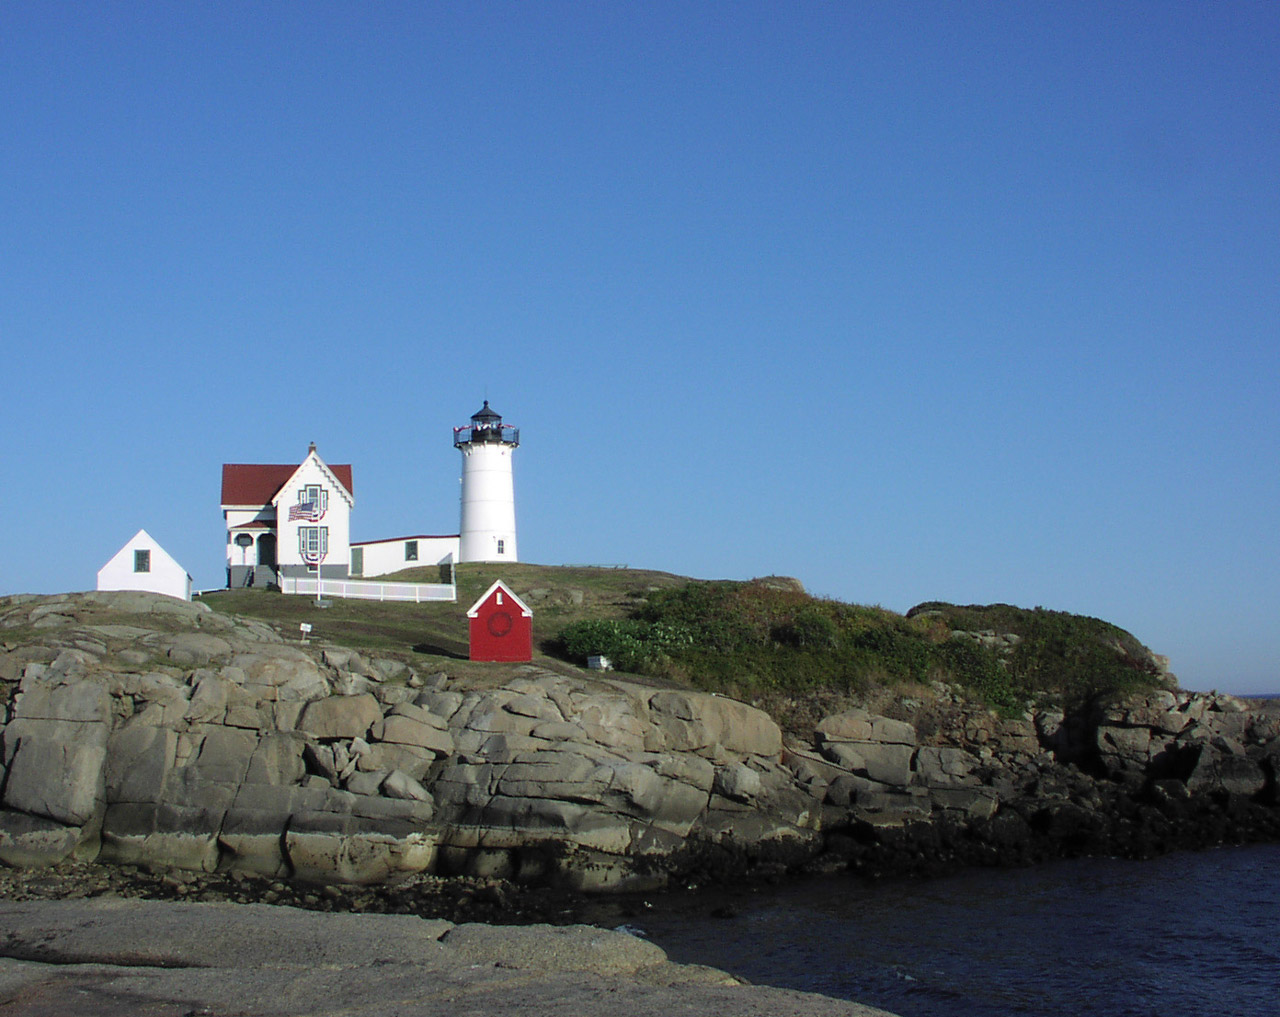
(501, 545)
(410, 550)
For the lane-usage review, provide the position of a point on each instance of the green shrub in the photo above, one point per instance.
(630, 643)
(1072, 656)
(755, 637)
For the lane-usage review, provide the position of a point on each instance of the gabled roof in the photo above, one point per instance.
(499, 584)
(259, 483)
(325, 468)
(143, 540)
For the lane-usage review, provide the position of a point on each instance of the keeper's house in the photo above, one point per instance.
(285, 520)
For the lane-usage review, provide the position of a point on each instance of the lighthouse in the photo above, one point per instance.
(488, 531)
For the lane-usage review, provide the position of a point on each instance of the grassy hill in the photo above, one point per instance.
(558, 595)
(758, 640)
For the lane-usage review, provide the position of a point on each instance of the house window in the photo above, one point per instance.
(410, 550)
(501, 545)
(141, 561)
(357, 561)
(313, 540)
(313, 503)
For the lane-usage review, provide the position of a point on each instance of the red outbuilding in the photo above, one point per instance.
(501, 626)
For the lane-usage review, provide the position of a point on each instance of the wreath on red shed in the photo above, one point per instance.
(500, 624)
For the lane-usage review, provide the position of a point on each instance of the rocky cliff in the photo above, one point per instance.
(147, 731)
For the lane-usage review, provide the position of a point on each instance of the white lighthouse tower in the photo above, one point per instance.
(488, 493)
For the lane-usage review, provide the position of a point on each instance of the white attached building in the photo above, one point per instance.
(379, 557)
(285, 520)
(142, 564)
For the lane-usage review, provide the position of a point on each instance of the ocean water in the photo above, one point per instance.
(1188, 935)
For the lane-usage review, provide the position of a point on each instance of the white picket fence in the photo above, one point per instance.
(364, 589)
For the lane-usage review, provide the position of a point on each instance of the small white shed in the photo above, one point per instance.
(142, 564)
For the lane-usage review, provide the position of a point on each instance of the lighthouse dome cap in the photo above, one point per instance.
(485, 413)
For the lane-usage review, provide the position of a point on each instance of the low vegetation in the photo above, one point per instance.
(762, 637)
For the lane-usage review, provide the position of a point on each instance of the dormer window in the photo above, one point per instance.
(315, 496)
(313, 503)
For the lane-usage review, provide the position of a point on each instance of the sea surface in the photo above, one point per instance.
(1187, 935)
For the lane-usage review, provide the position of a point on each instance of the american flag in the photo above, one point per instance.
(303, 510)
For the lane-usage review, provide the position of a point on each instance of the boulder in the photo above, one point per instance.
(55, 768)
(340, 717)
(80, 701)
(738, 781)
(885, 763)
(224, 757)
(194, 649)
(404, 730)
(698, 722)
(944, 766)
(277, 760)
(399, 784)
(859, 725)
(281, 672)
(387, 756)
(139, 759)
(1125, 748)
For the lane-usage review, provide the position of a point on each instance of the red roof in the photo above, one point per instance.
(412, 536)
(258, 483)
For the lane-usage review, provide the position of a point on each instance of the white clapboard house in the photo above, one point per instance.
(287, 520)
(142, 564)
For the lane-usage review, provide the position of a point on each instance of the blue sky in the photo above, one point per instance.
(971, 302)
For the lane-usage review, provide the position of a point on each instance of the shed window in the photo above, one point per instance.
(410, 550)
(141, 561)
